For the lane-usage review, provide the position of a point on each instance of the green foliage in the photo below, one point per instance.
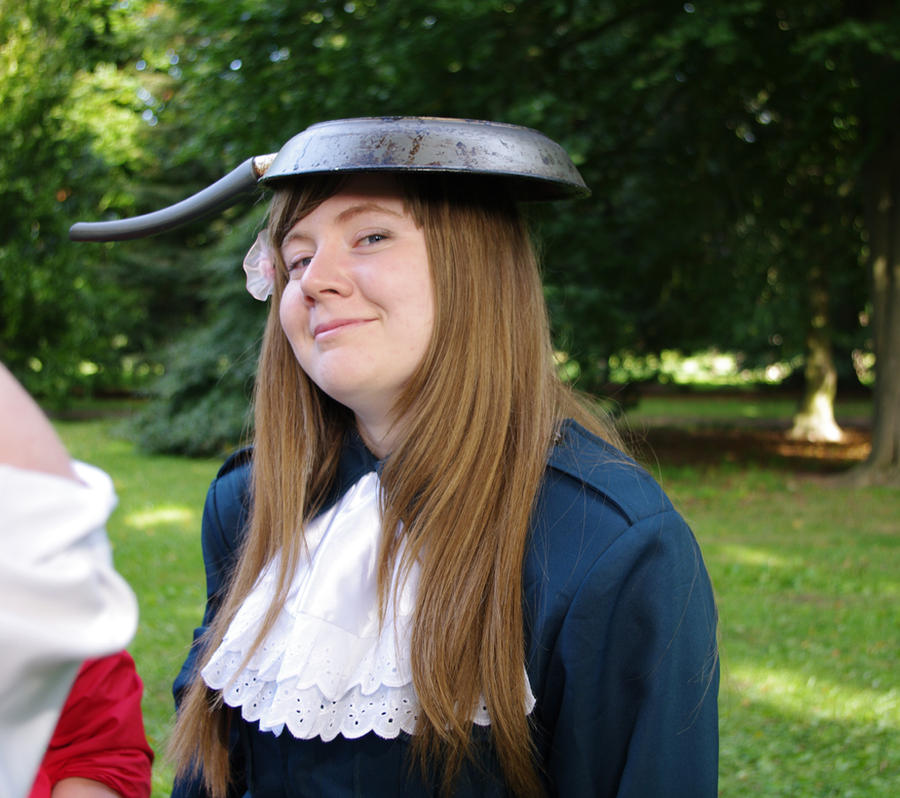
(201, 403)
(71, 129)
(724, 144)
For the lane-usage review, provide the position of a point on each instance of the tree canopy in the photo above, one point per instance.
(741, 156)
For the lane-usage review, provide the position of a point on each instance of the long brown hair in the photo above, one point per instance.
(480, 415)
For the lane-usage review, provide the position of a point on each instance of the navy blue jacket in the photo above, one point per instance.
(620, 630)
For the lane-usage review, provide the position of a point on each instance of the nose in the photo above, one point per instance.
(327, 273)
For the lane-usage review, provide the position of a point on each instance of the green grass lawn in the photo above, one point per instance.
(807, 582)
(805, 571)
(712, 408)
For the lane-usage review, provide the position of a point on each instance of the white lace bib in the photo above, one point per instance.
(327, 667)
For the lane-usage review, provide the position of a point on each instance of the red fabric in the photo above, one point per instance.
(100, 733)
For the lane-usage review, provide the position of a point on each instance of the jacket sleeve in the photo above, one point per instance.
(635, 672)
(224, 520)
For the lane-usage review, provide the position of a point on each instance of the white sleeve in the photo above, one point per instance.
(61, 602)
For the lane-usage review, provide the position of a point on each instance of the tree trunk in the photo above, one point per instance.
(815, 418)
(882, 205)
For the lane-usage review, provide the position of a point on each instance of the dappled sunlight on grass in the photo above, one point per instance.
(789, 732)
(695, 406)
(769, 751)
(807, 579)
(802, 692)
(146, 520)
(752, 555)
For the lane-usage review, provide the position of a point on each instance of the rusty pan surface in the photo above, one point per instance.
(432, 144)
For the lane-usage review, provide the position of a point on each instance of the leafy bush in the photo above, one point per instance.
(200, 406)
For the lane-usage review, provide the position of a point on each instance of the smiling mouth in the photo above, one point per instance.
(336, 325)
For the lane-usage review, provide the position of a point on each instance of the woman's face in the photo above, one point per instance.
(358, 307)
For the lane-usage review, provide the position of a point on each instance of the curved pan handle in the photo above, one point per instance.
(239, 181)
(535, 167)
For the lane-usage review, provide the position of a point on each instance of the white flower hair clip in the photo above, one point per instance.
(259, 265)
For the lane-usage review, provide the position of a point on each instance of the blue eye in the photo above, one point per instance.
(300, 263)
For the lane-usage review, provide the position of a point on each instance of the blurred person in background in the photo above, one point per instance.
(65, 617)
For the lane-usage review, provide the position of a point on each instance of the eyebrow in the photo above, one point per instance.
(365, 207)
(345, 215)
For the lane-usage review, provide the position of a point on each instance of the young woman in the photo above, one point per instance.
(435, 572)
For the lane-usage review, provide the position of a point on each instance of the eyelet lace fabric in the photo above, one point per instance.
(327, 666)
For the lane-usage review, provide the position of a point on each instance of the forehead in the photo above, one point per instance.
(356, 200)
(364, 191)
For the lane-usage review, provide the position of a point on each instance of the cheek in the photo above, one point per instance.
(292, 311)
(413, 291)
(423, 302)
(423, 321)
(294, 317)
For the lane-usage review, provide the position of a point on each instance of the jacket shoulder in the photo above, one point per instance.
(609, 474)
(230, 490)
(227, 507)
(240, 458)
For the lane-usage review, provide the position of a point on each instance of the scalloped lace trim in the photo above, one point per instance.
(327, 667)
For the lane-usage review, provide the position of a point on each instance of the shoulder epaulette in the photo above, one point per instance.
(608, 471)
